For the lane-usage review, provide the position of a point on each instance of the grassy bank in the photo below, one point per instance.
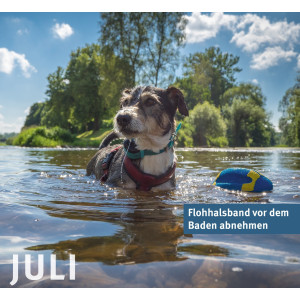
(57, 137)
(91, 138)
(54, 137)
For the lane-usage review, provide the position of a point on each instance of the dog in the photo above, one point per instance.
(147, 160)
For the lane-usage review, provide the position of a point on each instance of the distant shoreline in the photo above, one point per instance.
(196, 149)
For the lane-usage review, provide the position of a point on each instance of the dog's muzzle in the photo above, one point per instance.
(123, 120)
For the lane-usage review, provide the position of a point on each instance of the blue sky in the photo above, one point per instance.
(32, 45)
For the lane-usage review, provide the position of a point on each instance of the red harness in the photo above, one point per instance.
(143, 181)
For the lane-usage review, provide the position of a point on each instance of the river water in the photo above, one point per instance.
(135, 239)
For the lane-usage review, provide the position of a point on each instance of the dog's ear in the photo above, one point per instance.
(176, 96)
(126, 92)
(125, 98)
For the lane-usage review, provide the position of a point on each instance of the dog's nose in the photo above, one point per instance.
(123, 120)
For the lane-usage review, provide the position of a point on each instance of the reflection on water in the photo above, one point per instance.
(135, 239)
(147, 232)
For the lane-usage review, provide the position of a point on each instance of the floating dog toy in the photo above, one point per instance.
(241, 179)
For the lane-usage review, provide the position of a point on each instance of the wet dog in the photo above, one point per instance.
(147, 159)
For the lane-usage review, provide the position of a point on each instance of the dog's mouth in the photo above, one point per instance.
(127, 132)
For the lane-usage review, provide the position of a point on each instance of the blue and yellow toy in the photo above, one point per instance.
(241, 179)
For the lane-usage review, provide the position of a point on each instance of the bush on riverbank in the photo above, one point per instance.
(52, 137)
(205, 127)
(43, 137)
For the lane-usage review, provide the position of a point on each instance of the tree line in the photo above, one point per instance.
(144, 48)
(289, 123)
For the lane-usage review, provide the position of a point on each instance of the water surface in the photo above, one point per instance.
(135, 239)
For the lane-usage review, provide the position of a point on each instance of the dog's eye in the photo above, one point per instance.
(150, 102)
(125, 103)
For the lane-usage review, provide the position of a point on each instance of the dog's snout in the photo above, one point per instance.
(123, 120)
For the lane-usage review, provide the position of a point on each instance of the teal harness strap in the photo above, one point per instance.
(173, 136)
(142, 153)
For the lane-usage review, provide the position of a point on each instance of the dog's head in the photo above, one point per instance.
(149, 111)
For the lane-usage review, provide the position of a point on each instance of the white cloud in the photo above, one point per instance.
(255, 81)
(15, 20)
(62, 31)
(250, 31)
(269, 42)
(298, 61)
(201, 27)
(22, 31)
(15, 126)
(253, 31)
(9, 59)
(271, 57)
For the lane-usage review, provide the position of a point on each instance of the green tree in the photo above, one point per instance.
(209, 128)
(195, 84)
(95, 85)
(84, 77)
(247, 121)
(125, 35)
(248, 124)
(165, 37)
(207, 76)
(57, 108)
(244, 92)
(289, 123)
(148, 42)
(35, 114)
(84, 94)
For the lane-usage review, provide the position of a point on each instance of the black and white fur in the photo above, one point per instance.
(147, 115)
